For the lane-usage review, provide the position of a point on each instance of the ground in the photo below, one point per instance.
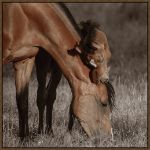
(126, 27)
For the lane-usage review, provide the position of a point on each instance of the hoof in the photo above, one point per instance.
(40, 131)
(68, 131)
(49, 131)
(24, 140)
(24, 137)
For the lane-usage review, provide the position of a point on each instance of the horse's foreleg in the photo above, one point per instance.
(23, 71)
(51, 96)
(41, 72)
(71, 117)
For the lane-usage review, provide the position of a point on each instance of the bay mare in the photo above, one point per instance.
(29, 29)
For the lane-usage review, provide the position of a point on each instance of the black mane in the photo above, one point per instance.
(88, 33)
(86, 29)
(70, 17)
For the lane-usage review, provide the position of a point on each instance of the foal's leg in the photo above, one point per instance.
(51, 95)
(23, 71)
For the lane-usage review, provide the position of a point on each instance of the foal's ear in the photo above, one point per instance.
(92, 63)
(78, 49)
(74, 51)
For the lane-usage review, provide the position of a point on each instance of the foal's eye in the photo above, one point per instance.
(90, 49)
(90, 46)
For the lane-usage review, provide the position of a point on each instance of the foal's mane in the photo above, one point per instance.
(88, 33)
(86, 29)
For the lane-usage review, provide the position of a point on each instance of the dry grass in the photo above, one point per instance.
(126, 27)
(129, 118)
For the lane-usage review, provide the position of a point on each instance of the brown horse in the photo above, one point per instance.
(30, 29)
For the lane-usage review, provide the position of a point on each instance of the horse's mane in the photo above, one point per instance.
(86, 29)
(69, 16)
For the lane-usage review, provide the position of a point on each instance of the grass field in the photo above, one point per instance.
(129, 118)
(125, 25)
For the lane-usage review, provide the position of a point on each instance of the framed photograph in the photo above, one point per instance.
(74, 74)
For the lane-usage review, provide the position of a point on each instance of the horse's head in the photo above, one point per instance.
(95, 51)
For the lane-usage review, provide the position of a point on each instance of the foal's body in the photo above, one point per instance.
(29, 27)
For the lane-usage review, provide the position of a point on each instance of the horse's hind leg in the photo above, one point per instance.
(23, 71)
(43, 63)
(51, 95)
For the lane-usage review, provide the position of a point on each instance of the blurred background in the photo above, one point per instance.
(125, 25)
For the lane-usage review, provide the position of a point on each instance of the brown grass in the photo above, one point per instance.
(129, 118)
(126, 27)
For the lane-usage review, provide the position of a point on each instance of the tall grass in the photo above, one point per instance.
(129, 118)
(125, 25)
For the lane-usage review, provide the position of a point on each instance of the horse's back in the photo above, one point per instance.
(34, 24)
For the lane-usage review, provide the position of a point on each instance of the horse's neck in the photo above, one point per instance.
(65, 39)
(71, 65)
(49, 28)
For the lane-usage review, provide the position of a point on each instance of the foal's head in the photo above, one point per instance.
(96, 51)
